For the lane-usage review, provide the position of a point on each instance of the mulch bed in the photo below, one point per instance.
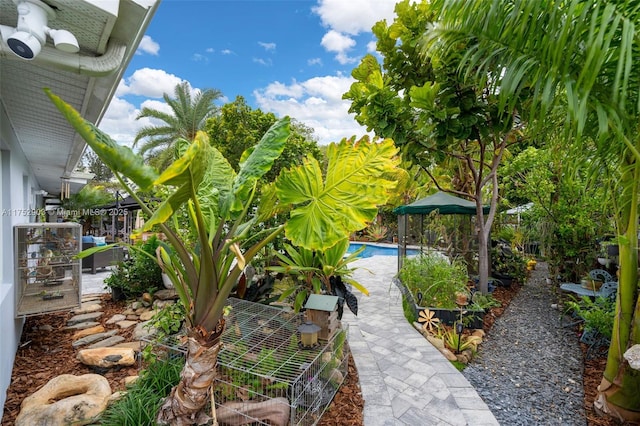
(47, 354)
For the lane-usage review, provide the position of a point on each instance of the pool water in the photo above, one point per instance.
(378, 250)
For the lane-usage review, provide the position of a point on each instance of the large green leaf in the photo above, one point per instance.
(120, 159)
(257, 163)
(347, 201)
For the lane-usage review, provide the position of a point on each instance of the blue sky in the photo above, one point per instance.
(286, 57)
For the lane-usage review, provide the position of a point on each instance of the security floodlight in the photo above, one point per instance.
(30, 34)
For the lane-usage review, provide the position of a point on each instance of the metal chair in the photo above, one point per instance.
(600, 275)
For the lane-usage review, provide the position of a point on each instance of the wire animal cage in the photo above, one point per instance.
(265, 376)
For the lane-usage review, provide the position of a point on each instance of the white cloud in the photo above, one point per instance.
(120, 122)
(316, 102)
(371, 46)
(334, 41)
(346, 19)
(148, 82)
(197, 57)
(267, 46)
(314, 61)
(147, 45)
(354, 16)
(210, 50)
(265, 62)
(226, 52)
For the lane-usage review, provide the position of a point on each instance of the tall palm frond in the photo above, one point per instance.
(582, 49)
(188, 115)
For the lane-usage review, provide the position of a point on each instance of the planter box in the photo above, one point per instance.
(471, 318)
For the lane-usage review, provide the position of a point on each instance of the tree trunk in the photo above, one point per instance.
(619, 390)
(483, 262)
(185, 405)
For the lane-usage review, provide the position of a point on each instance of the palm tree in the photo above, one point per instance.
(581, 57)
(188, 115)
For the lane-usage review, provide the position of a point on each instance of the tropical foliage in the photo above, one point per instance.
(435, 116)
(578, 57)
(326, 208)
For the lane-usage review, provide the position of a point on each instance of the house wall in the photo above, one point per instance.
(17, 187)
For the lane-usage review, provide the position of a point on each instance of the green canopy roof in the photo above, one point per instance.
(443, 202)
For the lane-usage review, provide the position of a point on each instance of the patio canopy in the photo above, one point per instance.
(441, 201)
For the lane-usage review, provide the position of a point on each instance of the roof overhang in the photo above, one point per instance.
(108, 33)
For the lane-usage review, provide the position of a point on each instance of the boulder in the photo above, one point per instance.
(107, 357)
(66, 400)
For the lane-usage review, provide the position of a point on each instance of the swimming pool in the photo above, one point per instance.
(372, 249)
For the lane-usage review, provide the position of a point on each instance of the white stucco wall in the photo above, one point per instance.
(17, 185)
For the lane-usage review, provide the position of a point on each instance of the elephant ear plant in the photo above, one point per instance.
(323, 212)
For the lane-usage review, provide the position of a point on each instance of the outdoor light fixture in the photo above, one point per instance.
(30, 34)
(308, 334)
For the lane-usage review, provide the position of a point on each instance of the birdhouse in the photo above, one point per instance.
(322, 310)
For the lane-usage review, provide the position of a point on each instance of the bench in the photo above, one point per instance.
(606, 290)
(102, 259)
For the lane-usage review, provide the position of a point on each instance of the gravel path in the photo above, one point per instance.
(529, 370)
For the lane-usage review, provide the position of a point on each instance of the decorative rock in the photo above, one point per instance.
(147, 297)
(143, 330)
(632, 355)
(66, 400)
(436, 342)
(275, 411)
(86, 340)
(83, 318)
(130, 380)
(479, 332)
(136, 346)
(167, 294)
(116, 396)
(132, 317)
(126, 323)
(146, 316)
(448, 354)
(82, 325)
(159, 304)
(88, 331)
(463, 358)
(135, 306)
(88, 308)
(107, 357)
(116, 318)
(108, 342)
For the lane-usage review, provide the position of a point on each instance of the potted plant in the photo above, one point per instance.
(432, 281)
(219, 203)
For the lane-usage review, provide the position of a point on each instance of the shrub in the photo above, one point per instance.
(434, 280)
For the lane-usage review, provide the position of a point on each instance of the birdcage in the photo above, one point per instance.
(267, 377)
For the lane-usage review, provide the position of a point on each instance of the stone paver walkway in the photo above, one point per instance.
(404, 379)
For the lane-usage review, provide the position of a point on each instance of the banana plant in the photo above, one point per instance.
(323, 212)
